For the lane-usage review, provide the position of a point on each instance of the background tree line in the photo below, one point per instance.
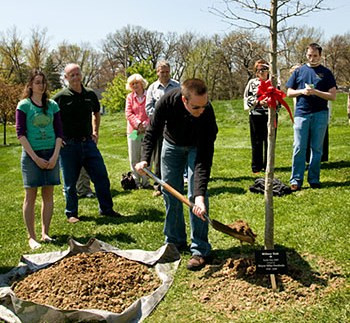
(223, 61)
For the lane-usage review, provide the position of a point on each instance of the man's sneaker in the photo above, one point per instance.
(196, 263)
(111, 213)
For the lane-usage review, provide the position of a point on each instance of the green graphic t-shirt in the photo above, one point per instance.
(40, 131)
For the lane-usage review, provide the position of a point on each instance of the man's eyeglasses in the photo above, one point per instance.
(197, 107)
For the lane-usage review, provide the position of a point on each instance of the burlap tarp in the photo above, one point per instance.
(12, 309)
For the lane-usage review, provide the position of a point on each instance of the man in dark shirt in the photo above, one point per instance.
(80, 113)
(187, 121)
(155, 91)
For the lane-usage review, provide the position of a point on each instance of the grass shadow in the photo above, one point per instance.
(324, 165)
(335, 184)
(152, 215)
(231, 179)
(336, 165)
(117, 193)
(220, 190)
(123, 192)
(62, 240)
(283, 169)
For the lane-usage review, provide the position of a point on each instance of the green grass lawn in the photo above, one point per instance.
(310, 221)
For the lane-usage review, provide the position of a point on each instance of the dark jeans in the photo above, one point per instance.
(156, 161)
(75, 155)
(258, 138)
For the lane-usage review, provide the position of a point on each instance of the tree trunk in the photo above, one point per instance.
(271, 139)
(4, 123)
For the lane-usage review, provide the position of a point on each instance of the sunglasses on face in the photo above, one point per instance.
(197, 107)
(262, 70)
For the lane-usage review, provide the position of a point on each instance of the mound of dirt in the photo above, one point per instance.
(232, 285)
(97, 280)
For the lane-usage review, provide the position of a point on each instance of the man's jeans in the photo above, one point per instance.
(313, 125)
(73, 156)
(173, 161)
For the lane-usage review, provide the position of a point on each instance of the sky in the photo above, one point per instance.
(78, 21)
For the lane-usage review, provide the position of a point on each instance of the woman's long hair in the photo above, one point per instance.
(28, 92)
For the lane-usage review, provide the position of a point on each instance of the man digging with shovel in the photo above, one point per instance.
(187, 121)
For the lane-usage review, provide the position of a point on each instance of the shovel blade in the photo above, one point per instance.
(226, 229)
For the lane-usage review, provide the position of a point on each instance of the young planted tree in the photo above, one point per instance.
(268, 15)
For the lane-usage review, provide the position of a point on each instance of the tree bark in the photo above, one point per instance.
(4, 123)
(271, 138)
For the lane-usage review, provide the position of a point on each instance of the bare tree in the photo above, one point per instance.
(184, 45)
(147, 45)
(240, 49)
(337, 58)
(293, 43)
(292, 47)
(37, 50)
(12, 56)
(132, 43)
(268, 15)
(84, 55)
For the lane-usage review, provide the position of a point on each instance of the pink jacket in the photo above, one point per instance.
(135, 112)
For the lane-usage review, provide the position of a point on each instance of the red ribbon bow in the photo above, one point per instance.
(266, 90)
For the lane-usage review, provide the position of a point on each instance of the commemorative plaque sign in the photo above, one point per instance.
(271, 261)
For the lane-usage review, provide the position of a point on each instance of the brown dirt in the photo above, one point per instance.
(232, 285)
(99, 280)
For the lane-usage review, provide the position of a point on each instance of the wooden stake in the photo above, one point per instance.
(273, 282)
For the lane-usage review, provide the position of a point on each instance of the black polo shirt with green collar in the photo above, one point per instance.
(76, 111)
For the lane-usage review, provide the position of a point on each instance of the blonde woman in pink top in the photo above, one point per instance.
(137, 121)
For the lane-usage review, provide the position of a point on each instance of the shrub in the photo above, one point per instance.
(113, 99)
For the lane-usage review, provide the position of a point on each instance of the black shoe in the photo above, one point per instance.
(111, 213)
(183, 248)
(315, 185)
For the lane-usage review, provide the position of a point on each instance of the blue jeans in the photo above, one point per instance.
(73, 156)
(173, 161)
(313, 125)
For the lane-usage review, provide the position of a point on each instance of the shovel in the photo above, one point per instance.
(215, 224)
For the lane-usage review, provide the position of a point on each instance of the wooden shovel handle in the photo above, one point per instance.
(171, 190)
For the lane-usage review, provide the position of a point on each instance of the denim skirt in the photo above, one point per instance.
(33, 175)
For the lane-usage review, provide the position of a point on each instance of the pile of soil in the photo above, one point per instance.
(97, 280)
(232, 285)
